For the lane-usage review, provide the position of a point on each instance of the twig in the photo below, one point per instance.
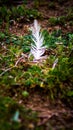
(9, 51)
(12, 67)
(54, 64)
(6, 71)
(43, 122)
(18, 60)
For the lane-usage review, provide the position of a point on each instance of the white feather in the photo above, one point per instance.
(37, 49)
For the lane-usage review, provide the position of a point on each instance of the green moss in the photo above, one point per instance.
(30, 75)
(58, 20)
(62, 20)
(17, 12)
(53, 21)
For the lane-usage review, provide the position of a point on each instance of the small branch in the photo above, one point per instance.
(55, 63)
(43, 121)
(12, 67)
(6, 71)
(9, 50)
(19, 60)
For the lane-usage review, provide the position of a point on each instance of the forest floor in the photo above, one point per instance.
(56, 11)
(53, 115)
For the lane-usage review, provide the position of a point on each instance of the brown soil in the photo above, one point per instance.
(54, 115)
